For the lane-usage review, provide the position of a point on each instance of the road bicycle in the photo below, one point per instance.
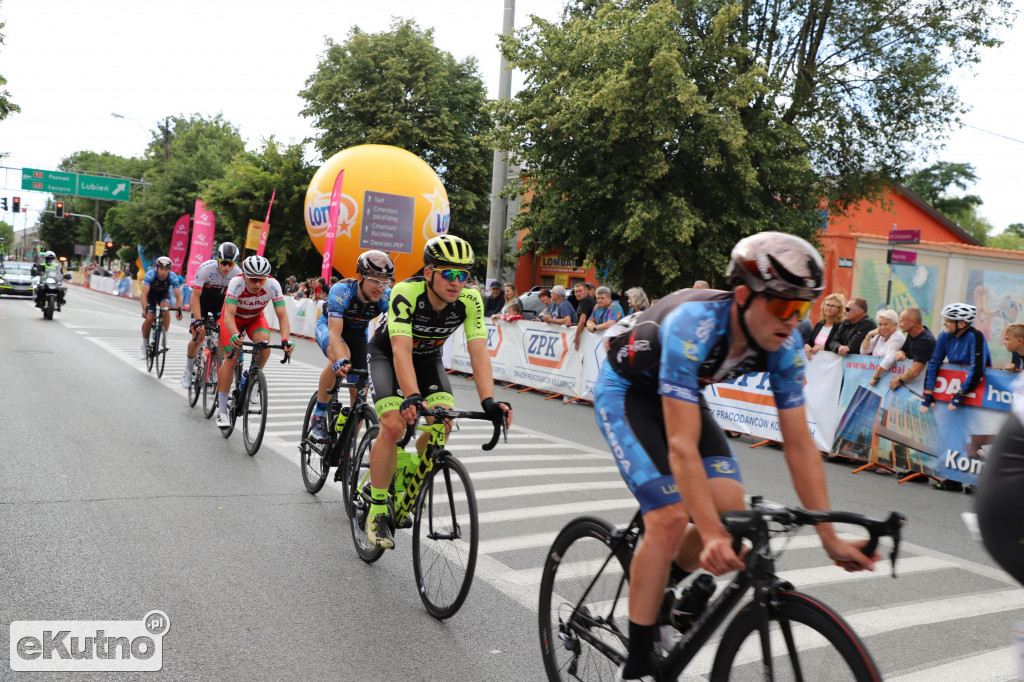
(156, 349)
(204, 368)
(781, 634)
(344, 425)
(439, 504)
(248, 398)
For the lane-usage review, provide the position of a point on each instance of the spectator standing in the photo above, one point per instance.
(828, 324)
(606, 311)
(292, 286)
(302, 291)
(549, 307)
(918, 346)
(637, 300)
(584, 310)
(564, 314)
(700, 284)
(511, 296)
(883, 342)
(850, 335)
(495, 302)
(1013, 341)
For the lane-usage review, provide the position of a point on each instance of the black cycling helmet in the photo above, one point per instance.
(777, 264)
(448, 251)
(375, 263)
(227, 251)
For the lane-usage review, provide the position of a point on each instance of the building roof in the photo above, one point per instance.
(938, 217)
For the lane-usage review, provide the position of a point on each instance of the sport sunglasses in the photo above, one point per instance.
(453, 275)
(783, 308)
(226, 263)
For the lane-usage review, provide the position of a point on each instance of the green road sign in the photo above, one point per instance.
(92, 186)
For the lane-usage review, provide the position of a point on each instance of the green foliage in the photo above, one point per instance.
(127, 255)
(933, 184)
(397, 88)
(1008, 239)
(1016, 228)
(7, 233)
(61, 234)
(7, 107)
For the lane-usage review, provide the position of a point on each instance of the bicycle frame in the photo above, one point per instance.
(435, 450)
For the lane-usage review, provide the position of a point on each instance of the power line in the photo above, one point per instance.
(1005, 137)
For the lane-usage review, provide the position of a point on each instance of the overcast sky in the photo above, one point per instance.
(70, 63)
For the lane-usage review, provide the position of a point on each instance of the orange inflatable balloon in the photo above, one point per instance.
(391, 201)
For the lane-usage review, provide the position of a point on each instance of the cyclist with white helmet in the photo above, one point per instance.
(156, 292)
(208, 289)
(404, 357)
(341, 329)
(673, 455)
(246, 297)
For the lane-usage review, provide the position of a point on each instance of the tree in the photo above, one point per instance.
(7, 107)
(397, 88)
(7, 234)
(933, 185)
(61, 234)
(649, 104)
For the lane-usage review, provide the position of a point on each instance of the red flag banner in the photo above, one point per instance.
(179, 243)
(202, 240)
(332, 228)
(266, 227)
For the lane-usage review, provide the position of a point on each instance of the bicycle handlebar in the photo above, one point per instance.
(753, 524)
(339, 383)
(500, 428)
(260, 345)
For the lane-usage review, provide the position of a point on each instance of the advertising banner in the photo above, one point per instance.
(262, 245)
(202, 239)
(333, 212)
(253, 234)
(179, 243)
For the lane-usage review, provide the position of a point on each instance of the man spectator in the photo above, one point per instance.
(606, 312)
(701, 284)
(918, 346)
(854, 328)
(292, 286)
(584, 310)
(495, 301)
(564, 314)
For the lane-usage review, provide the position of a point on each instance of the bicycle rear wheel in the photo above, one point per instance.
(313, 457)
(808, 642)
(357, 502)
(161, 350)
(254, 411)
(445, 538)
(583, 612)
(346, 449)
(196, 373)
(211, 364)
(153, 345)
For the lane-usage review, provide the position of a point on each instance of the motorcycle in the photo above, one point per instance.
(50, 292)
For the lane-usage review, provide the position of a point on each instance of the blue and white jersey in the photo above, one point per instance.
(681, 344)
(343, 301)
(161, 285)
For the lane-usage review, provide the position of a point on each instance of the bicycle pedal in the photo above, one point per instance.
(404, 523)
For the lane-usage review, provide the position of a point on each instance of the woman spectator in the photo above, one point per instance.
(832, 308)
(883, 342)
(511, 296)
(637, 300)
(302, 291)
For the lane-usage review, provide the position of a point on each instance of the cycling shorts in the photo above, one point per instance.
(633, 422)
(157, 296)
(249, 325)
(430, 376)
(355, 338)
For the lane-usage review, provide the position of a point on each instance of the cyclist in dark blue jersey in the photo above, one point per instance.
(341, 329)
(672, 454)
(156, 292)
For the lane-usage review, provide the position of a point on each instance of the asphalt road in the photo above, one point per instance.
(118, 499)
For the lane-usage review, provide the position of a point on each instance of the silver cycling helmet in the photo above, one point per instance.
(256, 266)
(960, 312)
(777, 264)
(163, 262)
(375, 263)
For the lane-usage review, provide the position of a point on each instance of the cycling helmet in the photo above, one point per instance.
(375, 263)
(256, 266)
(49, 256)
(227, 251)
(777, 264)
(448, 251)
(163, 262)
(960, 312)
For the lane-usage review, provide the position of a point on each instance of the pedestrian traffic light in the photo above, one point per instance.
(16, 205)
(59, 209)
(3, 203)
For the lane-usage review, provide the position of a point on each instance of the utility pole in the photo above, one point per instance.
(499, 174)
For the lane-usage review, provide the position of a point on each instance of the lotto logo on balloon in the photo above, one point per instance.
(392, 201)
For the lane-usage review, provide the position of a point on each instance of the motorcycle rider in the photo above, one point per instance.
(51, 267)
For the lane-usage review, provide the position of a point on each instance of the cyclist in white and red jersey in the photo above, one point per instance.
(208, 289)
(246, 297)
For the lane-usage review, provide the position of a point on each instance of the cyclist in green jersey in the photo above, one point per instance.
(404, 359)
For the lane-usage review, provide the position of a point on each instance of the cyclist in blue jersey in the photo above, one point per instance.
(960, 344)
(341, 330)
(156, 292)
(672, 454)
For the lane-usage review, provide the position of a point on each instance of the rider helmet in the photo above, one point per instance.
(256, 266)
(49, 257)
(777, 264)
(227, 251)
(375, 263)
(163, 262)
(448, 251)
(960, 312)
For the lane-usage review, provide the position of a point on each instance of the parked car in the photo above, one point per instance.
(532, 305)
(15, 278)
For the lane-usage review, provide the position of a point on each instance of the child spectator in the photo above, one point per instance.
(514, 313)
(1013, 341)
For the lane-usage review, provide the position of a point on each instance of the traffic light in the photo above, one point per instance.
(59, 209)
(3, 203)
(16, 205)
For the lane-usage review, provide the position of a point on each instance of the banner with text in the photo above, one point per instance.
(202, 240)
(262, 245)
(253, 234)
(179, 243)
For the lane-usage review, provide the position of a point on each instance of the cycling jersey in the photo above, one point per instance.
(252, 304)
(213, 286)
(343, 301)
(160, 289)
(411, 314)
(968, 349)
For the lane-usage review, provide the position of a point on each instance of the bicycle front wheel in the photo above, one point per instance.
(313, 457)
(211, 365)
(152, 346)
(196, 373)
(357, 502)
(445, 538)
(583, 611)
(807, 641)
(161, 351)
(254, 411)
(345, 449)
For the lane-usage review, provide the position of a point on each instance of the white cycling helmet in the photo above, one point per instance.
(256, 266)
(960, 312)
(163, 262)
(227, 251)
